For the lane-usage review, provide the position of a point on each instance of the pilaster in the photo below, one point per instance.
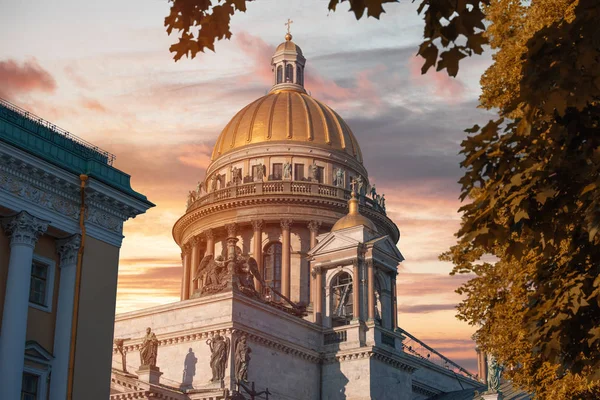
(285, 257)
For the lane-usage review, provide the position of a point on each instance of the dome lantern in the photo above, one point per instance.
(288, 65)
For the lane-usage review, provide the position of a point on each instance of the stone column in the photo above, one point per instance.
(394, 301)
(24, 231)
(257, 228)
(193, 246)
(67, 249)
(370, 290)
(231, 240)
(210, 242)
(313, 227)
(285, 257)
(318, 307)
(355, 291)
(186, 286)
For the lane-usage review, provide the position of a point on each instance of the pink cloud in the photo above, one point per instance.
(23, 78)
(444, 87)
(93, 105)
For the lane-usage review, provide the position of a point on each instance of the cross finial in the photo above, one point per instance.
(289, 23)
(353, 185)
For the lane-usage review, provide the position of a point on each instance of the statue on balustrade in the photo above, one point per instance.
(213, 182)
(219, 353)
(287, 170)
(314, 172)
(360, 186)
(373, 192)
(191, 198)
(199, 188)
(149, 349)
(236, 175)
(382, 202)
(242, 359)
(338, 177)
(261, 171)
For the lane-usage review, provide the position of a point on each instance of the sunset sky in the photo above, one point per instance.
(102, 70)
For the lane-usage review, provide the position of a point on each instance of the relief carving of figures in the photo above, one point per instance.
(338, 177)
(314, 172)
(149, 349)
(287, 170)
(494, 374)
(219, 353)
(242, 359)
(212, 274)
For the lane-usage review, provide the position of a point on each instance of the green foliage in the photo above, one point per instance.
(532, 186)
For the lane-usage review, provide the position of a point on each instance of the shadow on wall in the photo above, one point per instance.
(189, 369)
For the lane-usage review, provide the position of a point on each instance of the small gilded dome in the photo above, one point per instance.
(288, 47)
(287, 116)
(354, 218)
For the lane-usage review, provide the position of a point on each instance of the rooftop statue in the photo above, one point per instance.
(149, 349)
(219, 353)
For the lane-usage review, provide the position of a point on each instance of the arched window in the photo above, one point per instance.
(272, 266)
(299, 76)
(279, 74)
(341, 299)
(289, 73)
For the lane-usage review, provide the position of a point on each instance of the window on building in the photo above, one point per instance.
(279, 74)
(289, 73)
(299, 172)
(341, 299)
(39, 284)
(278, 171)
(272, 266)
(299, 76)
(29, 388)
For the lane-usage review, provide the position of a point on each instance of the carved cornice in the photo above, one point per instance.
(425, 390)
(67, 249)
(24, 229)
(286, 224)
(257, 224)
(370, 353)
(314, 226)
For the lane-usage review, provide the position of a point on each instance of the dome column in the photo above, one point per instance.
(257, 229)
(285, 257)
(210, 242)
(313, 227)
(371, 290)
(187, 273)
(194, 244)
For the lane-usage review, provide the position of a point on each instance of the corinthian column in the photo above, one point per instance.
(313, 227)
(186, 259)
(210, 242)
(318, 306)
(370, 290)
(286, 261)
(193, 244)
(355, 291)
(24, 231)
(67, 249)
(257, 228)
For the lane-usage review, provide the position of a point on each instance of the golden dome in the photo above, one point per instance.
(288, 116)
(354, 218)
(288, 46)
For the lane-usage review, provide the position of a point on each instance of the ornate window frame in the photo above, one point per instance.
(51, 264)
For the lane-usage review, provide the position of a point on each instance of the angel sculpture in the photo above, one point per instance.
(210, 274)
(247, 271)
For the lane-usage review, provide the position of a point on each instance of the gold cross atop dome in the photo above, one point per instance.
(288, 35)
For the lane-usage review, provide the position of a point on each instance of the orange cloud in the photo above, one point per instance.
(93, 105)
(23, 78)
(448, 89)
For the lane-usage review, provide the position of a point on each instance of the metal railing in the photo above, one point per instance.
(417, 348)
(84, 146)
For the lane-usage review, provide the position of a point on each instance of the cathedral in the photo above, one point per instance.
(290, 263)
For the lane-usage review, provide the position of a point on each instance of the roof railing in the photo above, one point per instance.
(86, 146)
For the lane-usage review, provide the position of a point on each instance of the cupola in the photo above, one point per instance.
(288, 65)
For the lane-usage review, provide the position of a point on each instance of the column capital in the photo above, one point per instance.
(231, 229)
(193, 242)
(23, 228)
(186, 248)
(286, 223)
(314, 226)
(68, 248)
(209, 234)
(257, 224)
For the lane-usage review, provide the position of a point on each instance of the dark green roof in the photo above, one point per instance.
(45, 140)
